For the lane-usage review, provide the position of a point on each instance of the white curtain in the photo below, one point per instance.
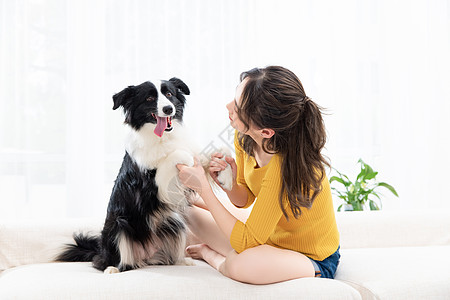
(381, 68)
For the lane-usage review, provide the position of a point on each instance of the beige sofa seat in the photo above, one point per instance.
(81, 281)
(385, 255)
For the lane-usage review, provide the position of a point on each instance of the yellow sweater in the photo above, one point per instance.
(314, 233)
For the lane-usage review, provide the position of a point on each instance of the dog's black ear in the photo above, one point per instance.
(120, 98)
(181, 85)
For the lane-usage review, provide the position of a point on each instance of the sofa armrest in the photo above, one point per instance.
(38, 241)
(375, 229)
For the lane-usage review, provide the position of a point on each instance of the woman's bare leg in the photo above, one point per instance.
(259, 265)
(203, 228)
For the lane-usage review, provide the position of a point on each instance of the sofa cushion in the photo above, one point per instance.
(397, 273)
(366, 229)
(82, 281)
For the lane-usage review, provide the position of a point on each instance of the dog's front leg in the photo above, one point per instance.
(180, 157)
(170, 189)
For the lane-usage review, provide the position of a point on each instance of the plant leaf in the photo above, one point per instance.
(363, 164)
(373, 205)
(375, 194)
(389, 187)
(342, 175)
(371, 175)
(357, 187)
(357, 206)
(339, 193)
(361, 175)
(369, 169)
(351, 197)
(340, 180)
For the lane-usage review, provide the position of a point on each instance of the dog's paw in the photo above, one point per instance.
(225, 151)
(111, 270)
(225, 178)
(182, 157)
(187, 261)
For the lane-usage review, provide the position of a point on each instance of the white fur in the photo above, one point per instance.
(125, 246)
(149, 150)
(133, 253)
(163, 101)
(226, 176)
(170, 189)
(111, 270)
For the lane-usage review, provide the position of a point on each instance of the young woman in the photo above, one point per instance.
(291, 231)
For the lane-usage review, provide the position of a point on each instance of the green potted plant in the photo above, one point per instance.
(356, 194)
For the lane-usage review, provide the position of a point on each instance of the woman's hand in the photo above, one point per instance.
(217, 164)
(193, 177)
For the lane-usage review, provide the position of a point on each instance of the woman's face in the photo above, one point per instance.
(235, 122)
(255, 133)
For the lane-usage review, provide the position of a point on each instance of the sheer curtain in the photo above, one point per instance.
(381, 68)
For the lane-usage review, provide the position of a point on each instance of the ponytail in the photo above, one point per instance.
(303, 165)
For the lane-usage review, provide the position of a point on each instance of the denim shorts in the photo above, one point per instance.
(327, 267)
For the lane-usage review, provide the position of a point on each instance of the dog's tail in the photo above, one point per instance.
(85, 249)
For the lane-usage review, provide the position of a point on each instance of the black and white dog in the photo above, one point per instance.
(146, 217)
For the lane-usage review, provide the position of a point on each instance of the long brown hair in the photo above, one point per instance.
(274, 98)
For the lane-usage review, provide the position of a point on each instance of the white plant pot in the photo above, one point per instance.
(347, 207)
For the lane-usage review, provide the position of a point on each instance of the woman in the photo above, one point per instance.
(291, 231)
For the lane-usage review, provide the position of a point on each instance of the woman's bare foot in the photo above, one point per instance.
(195, 251)
(202, 251)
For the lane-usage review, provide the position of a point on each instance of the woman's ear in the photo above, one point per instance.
(267, 133)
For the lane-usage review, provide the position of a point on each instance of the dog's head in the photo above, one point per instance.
(158, 102)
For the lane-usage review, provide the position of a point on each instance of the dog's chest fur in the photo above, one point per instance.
(162, 154)
(149, 150)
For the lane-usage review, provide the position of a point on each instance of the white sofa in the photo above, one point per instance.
(385, 255)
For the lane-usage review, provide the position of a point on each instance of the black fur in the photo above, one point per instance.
(134, 210)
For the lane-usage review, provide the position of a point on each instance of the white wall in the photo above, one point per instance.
(381, 68)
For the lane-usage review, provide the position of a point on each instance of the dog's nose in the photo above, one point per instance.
(167, 109)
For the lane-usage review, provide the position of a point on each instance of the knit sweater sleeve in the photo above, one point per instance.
(265, 215)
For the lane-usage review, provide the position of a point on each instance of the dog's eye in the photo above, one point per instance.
(168, 94)
(151, 98)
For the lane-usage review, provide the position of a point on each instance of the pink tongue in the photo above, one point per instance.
(161, 125)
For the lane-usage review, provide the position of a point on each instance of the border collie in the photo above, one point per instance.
(146, 217)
